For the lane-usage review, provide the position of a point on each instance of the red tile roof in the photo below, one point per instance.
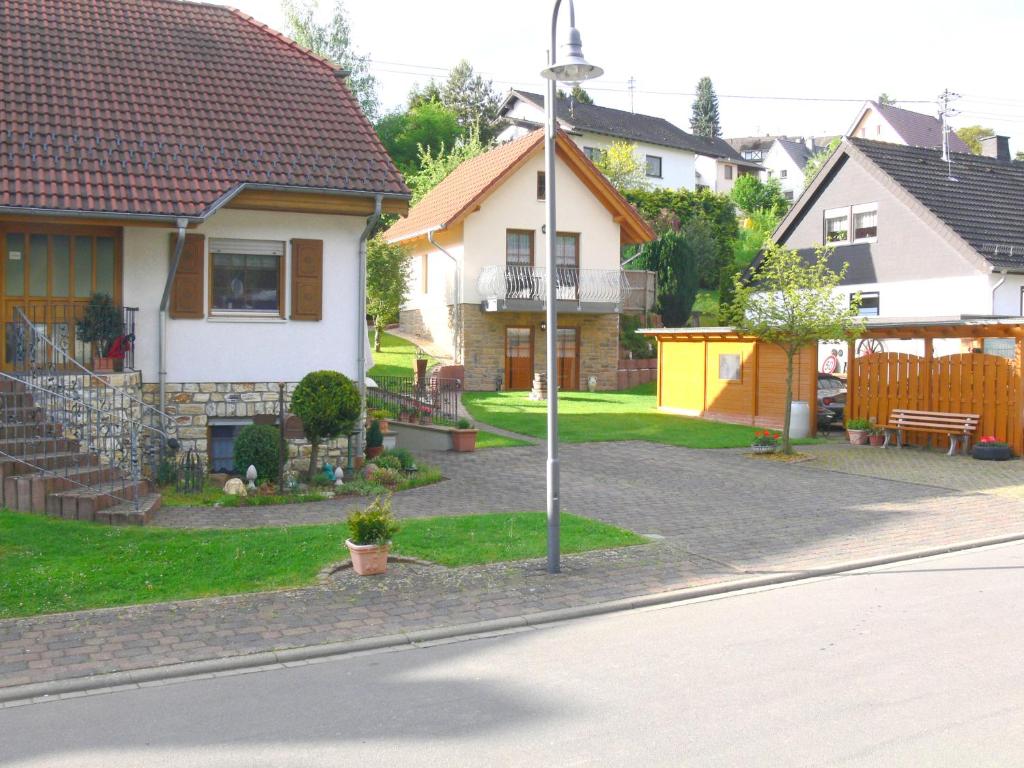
(163, 107)
(466, 187)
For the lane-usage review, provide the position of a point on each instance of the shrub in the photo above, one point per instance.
(328, 404)
(385, 476)
(388, 462)
(859, 424)
(464, 424)
(374, 524)
(402, 454)
(374, 437)
(257, 444)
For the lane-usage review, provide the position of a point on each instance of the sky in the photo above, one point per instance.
(833, 56)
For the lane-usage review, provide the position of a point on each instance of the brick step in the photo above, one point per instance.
(87, 503)
(41, 428)
(29, 492)
(30, 463)
(23, 446)
(127, 514)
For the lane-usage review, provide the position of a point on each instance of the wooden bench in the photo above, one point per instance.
(957, 426)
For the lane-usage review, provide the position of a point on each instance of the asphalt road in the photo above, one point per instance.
(916, 664)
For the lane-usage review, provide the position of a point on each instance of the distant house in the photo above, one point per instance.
(478, 290)
(673, 158)
(922, 237)
(882, 122)
(783, 157)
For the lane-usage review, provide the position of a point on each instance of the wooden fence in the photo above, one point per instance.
(966, 383)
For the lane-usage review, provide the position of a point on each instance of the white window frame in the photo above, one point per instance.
(783, 173)
(730, 367)
(863, 208)
(835, 213)
(233, 246)
(728, 172)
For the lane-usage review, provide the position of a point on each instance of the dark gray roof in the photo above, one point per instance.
(983, 202)
(918, 130)
(628, 125)
(797, 150)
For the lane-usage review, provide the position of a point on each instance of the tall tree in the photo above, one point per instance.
(435, 165)
(429, 125)
(333, 41)
(972, 136)
(751, 194)
(577, 94)
(623, 167)
(705, 120)
(674, 259)
(792, 303)
(886, 100)
(387, 277)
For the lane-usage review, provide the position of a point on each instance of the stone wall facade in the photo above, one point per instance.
(485, 345)
(194, 405)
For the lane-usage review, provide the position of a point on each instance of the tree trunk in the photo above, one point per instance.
(314, 450)
(786, 447)
(376, 334)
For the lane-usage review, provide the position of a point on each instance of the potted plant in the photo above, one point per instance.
(370, 531)
(464, 437)
(382, 417)
(857, 430)
(101, 325)
(765, 442)
(876, 436)
(990, 449)
(425, 415)
(374, 440)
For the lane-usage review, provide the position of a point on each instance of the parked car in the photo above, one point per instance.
(831, 398)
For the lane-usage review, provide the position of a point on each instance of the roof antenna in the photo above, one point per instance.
(631, 84)
(945, 111)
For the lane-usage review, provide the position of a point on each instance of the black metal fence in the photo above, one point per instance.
(434, 401)
(59, 322)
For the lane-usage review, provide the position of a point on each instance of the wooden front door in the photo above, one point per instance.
(518, 358)
(568, 344)
(49, 273)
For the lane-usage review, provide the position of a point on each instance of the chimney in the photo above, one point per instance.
(996, 146)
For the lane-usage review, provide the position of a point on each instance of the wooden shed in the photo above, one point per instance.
(716, 373)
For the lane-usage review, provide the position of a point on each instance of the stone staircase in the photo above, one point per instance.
(45, 470)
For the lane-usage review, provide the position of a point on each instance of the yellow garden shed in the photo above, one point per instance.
(718, 374)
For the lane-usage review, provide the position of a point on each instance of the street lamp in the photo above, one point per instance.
(573, 70)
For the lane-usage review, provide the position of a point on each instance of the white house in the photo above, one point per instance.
(213, 178)
(478, 249)
(884, 122)
(921, 237)
(673, 158)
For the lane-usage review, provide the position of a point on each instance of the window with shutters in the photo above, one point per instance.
(246, 277)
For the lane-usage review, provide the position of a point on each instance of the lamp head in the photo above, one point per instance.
(573, 69)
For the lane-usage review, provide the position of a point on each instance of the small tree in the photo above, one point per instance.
(387, 278)
(792, 303)
(675, 261)
(429, 125)
(577, 94)
(971, 135)
(623, 167)
(436, 164)
(751, 194)
(818, 159)
(328, 404)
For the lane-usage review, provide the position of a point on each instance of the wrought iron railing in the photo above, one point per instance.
(73, 428)
(600, 286)
(59, 322)
(436, 401)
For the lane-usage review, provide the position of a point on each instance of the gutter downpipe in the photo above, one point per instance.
(179, 245)
(362, 335)
(457, 336)
(996, 287)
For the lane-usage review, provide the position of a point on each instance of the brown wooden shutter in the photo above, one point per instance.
(307, 279)
(187, 289)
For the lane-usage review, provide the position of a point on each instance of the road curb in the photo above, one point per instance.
(148, 675)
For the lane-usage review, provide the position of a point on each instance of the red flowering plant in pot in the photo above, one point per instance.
(765, 441)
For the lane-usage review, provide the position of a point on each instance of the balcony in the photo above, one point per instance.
(508, 288)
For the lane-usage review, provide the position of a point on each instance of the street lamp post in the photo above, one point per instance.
(573, 70)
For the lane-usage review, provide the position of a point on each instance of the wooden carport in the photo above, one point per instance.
(969, 382)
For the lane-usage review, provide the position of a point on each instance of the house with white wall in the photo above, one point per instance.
(213, 178)
(673, 158)
(884, 122)
(478, 281)
(922, 237)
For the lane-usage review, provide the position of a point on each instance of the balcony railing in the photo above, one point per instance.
(59, 323)
(584, 286)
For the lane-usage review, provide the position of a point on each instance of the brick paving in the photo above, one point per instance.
(722, 515)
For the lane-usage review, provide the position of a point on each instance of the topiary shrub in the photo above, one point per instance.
(328, 404)
(374, 436)
(258, 444)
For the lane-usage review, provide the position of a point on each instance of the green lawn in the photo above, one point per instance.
(396, 357)
(485, 439)
(49, 565)
(585, 417)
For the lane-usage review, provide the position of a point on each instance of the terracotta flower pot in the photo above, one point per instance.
(857, 436)
(876, 440)
(464, 440)
(368, 559)
(374, 452)
(102, 363)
